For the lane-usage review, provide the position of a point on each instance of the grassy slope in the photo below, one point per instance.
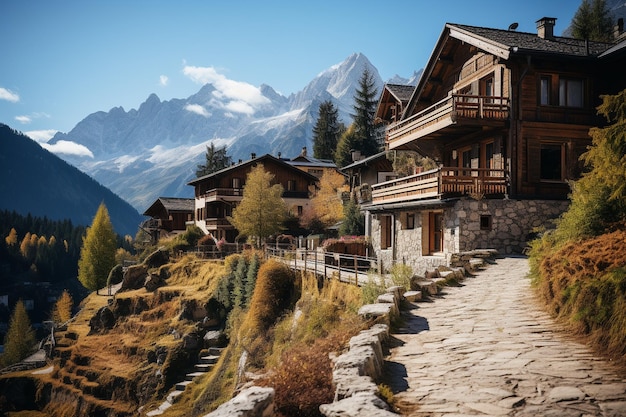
(584, 285)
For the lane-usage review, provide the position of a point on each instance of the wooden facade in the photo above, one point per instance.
(168, 215)
(519, 105)
(217, 194)
(506, 116)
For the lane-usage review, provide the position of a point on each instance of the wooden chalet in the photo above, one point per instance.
(218, 193)
(168, 215)
(506, 115)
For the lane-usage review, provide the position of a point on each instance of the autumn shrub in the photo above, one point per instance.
(372, 289)
(274, 293)
(401, 275)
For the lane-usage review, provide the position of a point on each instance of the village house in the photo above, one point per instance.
(506, 116)
(217, 194)
(168, 215)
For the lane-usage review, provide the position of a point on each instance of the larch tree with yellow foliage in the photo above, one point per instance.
(327, 204)
(262, 210)
(97, 256)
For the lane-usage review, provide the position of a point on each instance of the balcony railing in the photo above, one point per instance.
(437, 183)
(448, 111)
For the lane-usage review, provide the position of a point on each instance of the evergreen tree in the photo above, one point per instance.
(599, 197)
(215, 159)
(365, 102)
(326, 131)
(262, 210)
(97, 256)
(353, 222)
(239, 291)
(20, 338)
(593, 21)
(253, 269)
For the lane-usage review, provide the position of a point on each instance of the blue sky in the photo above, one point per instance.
(63, 60)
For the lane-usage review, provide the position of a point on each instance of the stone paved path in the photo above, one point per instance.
(487, 348)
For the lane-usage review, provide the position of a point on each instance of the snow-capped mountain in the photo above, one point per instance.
(153, 151)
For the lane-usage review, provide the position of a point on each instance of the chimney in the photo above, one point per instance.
(618, 30)
(252, 155)
(303, 153)
(545, 27)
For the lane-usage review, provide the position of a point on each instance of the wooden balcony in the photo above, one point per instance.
(215, 223)
(457, 110)
(216, 193)
(441, 182)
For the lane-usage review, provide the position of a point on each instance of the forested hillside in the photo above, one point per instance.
(37, 182)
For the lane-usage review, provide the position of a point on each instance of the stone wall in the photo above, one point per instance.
(510, 224)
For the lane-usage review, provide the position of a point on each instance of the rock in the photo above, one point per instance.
(357, 406)
(134, 277)
(191, 341)
(381, 311)
(413, 296)
(153, 282)
(102, 320)
(157, 258)
(426, 286)
(213, 338)
(251, 402)
(566, 394)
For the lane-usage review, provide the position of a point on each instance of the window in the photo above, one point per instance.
(485, 222)
(236, 183)
(552, 162)
(300, 210)
(410, 221)
(570, 93)
(544, 96)
(291, 185)
(385, 232)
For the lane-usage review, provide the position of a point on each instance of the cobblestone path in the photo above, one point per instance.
(487, 348)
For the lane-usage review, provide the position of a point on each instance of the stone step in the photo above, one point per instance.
(203, 367)
(180, 386)
(173, 396)
(413, 296)
(209, 360)
(426, 286)
(193, 375)
(215, 351)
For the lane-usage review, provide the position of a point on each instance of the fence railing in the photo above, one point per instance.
(345, 267)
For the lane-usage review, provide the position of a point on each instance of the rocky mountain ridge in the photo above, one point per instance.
(153, 151)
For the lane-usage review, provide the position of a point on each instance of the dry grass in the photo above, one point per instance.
(584, 284)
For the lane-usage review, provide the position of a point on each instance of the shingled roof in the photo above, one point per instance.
(400, 91)
(526, 42)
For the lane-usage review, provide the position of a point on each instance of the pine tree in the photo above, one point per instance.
(593, 21)
(253, 269)
(365, 102)
(97, 255)
(262, 210)
(20, 337)
(326, 131)
(215, 159)
(353, 222)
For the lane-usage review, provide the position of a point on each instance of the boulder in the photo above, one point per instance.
(157, 258)
(251, 402)
(102, 320)
(358, 406)
(153, 282)
(134, 277)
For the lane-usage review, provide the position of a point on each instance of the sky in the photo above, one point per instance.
(63, 60)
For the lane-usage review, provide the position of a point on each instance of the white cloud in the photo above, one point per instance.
(24, 119)
(68, 148)
(235, 96)
(8, 95)
(197, 109)
(41, 136)
(164, 80)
